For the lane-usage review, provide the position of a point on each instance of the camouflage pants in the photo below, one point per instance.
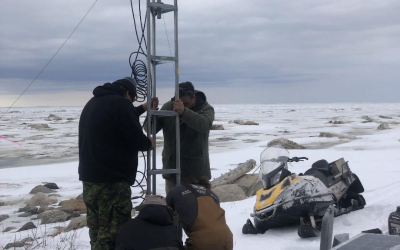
(108, 207)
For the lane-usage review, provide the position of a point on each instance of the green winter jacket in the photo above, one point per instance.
(195, 125)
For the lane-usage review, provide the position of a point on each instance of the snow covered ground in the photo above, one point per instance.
(373, 156)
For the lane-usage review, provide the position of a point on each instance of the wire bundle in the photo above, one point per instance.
(138, 66)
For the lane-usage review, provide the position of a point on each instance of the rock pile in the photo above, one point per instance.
(237, 184)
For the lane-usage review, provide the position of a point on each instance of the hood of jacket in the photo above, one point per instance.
(156, 214)
(108, 89)
(200, 99)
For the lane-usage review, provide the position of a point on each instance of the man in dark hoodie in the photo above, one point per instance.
(110, 137)
(196, 118)
(152, 228)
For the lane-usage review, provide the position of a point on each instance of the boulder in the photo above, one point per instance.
(367, 119)
(73, 215)
(26, 214)
(44, 209)
(241, 122)
(51, 185)
(42, 189)
(340, 136)
(13, 245)
(70, 119)
(385, 117)
(73, 204)
(52, 117)
(79, 197)
(40, 126)
(21, 243)
(336, 122)
(217, 127)
(52, 216)
(76, 223)
(288, 144)
(383, 126)
(229, 192)
(249, 183)
(39, 199)
(234, 174)
(3, 217)
(8, 229)
(27, 226)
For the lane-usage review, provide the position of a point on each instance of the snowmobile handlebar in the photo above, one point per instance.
(297, 159)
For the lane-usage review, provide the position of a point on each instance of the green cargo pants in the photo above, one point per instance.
(108, 207)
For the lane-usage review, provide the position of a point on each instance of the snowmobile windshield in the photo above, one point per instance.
(273, 160)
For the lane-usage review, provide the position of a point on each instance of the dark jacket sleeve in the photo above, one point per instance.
(201, 122)
(140, 110)
(131, 129)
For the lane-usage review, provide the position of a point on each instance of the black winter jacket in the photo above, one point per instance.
(153, 228)
(110, 137)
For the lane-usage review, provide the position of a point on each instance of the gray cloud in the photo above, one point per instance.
(328, 51)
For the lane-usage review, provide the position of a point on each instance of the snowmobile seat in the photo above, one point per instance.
(318, 174)
(323, 166)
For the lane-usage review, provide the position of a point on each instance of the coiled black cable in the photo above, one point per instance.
(138, 66)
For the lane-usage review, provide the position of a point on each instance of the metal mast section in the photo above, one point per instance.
(156, 8)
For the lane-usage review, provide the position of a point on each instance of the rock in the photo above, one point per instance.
(51, 185)
(340, 136)
(287, 144)
(53, 199)
(76, 223)
(73, 204)
(383, 126)
(27, 226)
(8, 229)
(241, 122)
(52, 216)
(217, 127)
(52, 117)
(44, 209)
(336, 122)
(249, 183)
(73, 215)
(26, 214)
(27, 239)
(3, 217)
(234, 174)
(14, 245)
(41, 189)
(20, 243)
(385, 117)
(80, 197)
(24, 209)
(229, 192)
(40, 126)
(367, 119)
(70, 119)
(39, 199)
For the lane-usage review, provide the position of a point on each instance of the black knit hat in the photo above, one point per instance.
(129, 83)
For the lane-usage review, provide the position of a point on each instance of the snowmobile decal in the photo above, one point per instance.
(265, 198)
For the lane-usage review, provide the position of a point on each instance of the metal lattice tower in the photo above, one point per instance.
(156, 8)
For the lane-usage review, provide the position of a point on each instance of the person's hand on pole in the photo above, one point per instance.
(154, 103)
(179, 107)
(153, 143)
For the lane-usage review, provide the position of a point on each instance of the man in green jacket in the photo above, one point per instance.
(196, 118)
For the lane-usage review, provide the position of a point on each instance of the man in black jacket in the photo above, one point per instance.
(110, 137)
(153, 228)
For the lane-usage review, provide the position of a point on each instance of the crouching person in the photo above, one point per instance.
(201, 216)
(152, 229)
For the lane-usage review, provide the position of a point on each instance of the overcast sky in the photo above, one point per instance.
(254, 51)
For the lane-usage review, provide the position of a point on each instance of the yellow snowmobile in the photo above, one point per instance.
(287, 198)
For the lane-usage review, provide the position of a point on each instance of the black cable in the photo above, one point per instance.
(50, 59)
(138, 66)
